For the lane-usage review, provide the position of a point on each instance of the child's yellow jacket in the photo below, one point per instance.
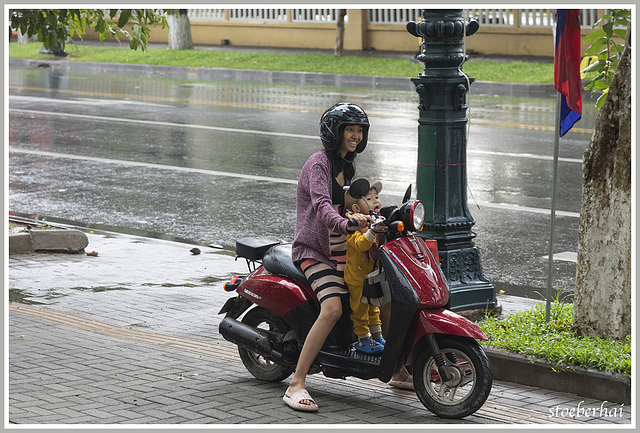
(356, 267)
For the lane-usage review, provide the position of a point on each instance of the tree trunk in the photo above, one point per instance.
(602, 304)
(179, 31)
(339, 33)
(24, 39)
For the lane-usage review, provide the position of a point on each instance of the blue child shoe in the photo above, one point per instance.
(380, 340)
(369, 346)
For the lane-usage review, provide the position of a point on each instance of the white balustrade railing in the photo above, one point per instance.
(537, 18)
(490, 17)
(392, 16)
(315, 15)
(528, 18)
(206, 14)
(257, 15)
(588, 17)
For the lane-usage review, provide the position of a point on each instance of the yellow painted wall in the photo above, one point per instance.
(392, 38)
(264, 35)
(522, 42)
(359, 35)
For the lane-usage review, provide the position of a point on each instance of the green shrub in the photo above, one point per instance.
(558, 340)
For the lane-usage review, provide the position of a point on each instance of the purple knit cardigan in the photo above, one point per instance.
(316, 217)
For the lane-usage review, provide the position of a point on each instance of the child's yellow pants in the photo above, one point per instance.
(363, 315)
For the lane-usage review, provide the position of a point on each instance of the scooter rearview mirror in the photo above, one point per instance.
(407, 195)
(387, 211)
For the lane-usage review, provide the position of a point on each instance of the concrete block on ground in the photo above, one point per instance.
(67, 241)
(20, 244)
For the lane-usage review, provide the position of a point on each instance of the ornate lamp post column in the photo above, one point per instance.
(442, 148)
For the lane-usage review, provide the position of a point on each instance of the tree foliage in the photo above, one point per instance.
(55, 27)
(603, 56)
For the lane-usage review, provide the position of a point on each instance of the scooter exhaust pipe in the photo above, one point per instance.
(248, 337)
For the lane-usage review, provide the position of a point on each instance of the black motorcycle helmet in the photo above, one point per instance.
(334, 120)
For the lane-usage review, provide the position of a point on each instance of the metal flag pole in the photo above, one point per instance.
(553, 205)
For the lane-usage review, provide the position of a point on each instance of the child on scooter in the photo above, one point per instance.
(361, 255)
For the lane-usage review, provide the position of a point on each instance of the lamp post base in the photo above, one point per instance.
(469, 287)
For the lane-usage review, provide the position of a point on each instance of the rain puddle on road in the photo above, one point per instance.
(19, 296)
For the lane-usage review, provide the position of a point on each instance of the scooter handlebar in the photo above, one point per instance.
(377, 220)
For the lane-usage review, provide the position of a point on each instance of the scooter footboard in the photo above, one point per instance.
(442, 321)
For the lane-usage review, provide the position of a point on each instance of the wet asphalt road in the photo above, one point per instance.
(208, 162)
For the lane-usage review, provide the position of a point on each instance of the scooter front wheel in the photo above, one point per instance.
(260, 367)
(468, 383)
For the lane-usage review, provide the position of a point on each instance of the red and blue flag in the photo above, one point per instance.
(567, 68)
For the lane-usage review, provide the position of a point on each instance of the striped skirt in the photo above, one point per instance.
(327, 281)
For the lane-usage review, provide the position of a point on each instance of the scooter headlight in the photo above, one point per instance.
(412, 214)
(416, 216)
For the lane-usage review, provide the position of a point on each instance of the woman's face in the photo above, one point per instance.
(350, 139)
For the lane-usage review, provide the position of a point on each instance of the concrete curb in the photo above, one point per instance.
(49, 241)
(591, 383)
(524, 90)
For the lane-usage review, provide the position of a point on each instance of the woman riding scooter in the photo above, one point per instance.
(319, 244)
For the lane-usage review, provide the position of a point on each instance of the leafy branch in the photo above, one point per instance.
(602, 57)
(54, 27)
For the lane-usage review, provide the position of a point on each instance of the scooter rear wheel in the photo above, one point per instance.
(260, 367)
(469, 383)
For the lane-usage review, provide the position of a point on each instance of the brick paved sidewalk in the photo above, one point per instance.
(130, 337)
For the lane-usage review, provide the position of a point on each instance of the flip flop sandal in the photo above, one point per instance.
(403, 384)
(295, 401)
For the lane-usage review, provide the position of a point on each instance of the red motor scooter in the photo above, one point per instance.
(451, 373)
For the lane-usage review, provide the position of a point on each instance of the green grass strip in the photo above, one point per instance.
(501, 71)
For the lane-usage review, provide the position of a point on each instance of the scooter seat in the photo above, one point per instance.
(277, 260)
(254, 248)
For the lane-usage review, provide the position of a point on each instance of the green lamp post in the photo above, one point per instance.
(442, 146)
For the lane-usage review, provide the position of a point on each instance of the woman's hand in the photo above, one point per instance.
(361, 220)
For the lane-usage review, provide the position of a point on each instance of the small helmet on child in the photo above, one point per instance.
(334, 120)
